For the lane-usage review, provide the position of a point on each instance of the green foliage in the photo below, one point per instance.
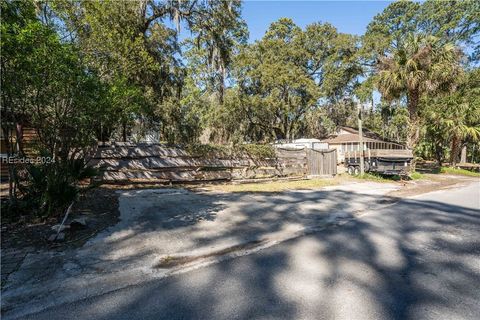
(287, 72)
(319, 123)
(274, 69)
(389, 121)
(414, 48)
(208, 151)
(257, 151)
(453, 21)
(23, 42)
(132, 42)
(416, 175)
(228, 122)
(44, 83)
(50, 188)
(453, 119)
(372, 177)
(45, 86)
(456, 171)
(387, 30)
(422, 65)
(218, 35)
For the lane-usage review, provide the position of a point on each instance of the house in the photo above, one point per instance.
(347, 139)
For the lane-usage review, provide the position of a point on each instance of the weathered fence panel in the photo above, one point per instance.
(321, 162)
(163, 164)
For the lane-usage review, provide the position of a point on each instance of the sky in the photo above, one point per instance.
(347, 16)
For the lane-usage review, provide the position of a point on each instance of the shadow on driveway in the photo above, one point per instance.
(417, 259)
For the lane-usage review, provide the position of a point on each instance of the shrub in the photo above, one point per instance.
(208, 150)
(51, 187)
(257, 151)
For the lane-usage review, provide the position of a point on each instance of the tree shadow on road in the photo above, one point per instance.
(417, 259)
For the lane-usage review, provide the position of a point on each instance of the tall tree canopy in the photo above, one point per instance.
(291, 72)
(412, 51)
(182, 71)
(136, 43)
(418, 67)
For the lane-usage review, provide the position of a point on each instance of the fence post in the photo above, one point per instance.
(307, 164)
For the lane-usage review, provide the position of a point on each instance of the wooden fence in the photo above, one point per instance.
(321, 162)
(29, 140)
(158, 163)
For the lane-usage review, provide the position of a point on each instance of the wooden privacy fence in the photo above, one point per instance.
(123, 162)
(29, 140)
(321, 162)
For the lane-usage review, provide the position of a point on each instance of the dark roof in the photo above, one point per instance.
(366, 133)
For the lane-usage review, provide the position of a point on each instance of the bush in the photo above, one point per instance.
(208, 150)
(50, 188)
(257, 151)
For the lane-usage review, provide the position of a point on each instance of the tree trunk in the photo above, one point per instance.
(124, 132)
(221, 86)
(221, 93)
(463, 157)
(286, 132)
(439, 154)
(12, 197)
(414, 126)
(19, 133)
(279, 133)
(454, 151)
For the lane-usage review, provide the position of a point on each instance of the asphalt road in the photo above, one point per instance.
(417, 259)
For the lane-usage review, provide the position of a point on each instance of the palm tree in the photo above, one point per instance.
(451, 123)
(421, 65)
(455, 119)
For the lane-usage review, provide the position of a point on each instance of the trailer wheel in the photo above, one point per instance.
(356, 171)
(350, 170)
(367, 166)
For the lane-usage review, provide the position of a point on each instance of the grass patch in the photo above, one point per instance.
(416, 175)
(373, 177)
(461, 172)
(276, 186)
